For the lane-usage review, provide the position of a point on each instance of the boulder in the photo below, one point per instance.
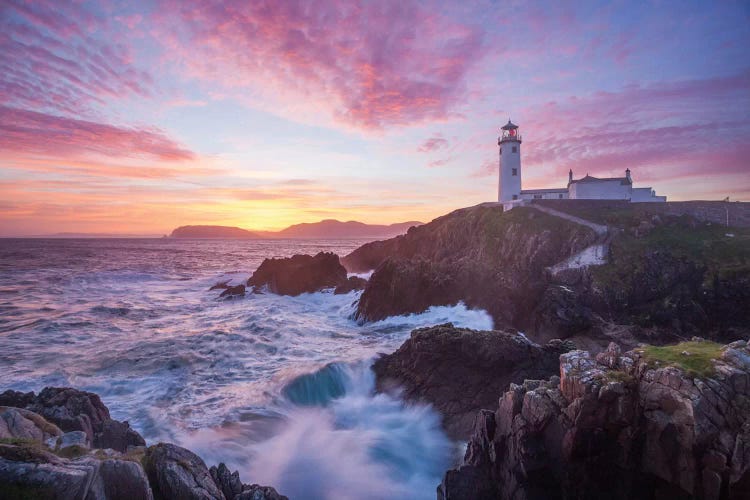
(351, 284)
(74, 410)
(117, 435)
(299, 274)
(120, 480)
(73, 438)
(71, 409)
(233, 291)
(17, 423)
(175, 472)
(406, 286)
(460, 371)
(615, 426)
(228, 482)
(231, 486)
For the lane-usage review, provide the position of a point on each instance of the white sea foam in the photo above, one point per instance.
(134, 322)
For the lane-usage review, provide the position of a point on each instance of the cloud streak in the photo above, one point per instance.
(30, 132)
(369, 64)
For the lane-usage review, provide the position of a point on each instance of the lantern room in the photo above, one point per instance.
(509, 133)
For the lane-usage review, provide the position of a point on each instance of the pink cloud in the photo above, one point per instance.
(58, 56)
(662, 130)
(369, 64)
(433, 144)
(29, 132)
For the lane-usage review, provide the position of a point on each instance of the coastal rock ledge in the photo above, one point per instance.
(618, 426)
(62, 445)
(301, 274)
(460, 371)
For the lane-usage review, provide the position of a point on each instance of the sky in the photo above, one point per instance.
(137, 117)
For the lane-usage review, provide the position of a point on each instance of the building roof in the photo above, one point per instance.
(588, 178)
(539, 191)
(509, 126)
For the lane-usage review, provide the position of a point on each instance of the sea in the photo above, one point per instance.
(277, 387)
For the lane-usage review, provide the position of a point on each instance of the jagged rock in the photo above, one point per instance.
(659, 283)
(175, 472)
(71, 409)
(117, 435)
(222, 285)
(74, 410)
(50, 480)
(299, 274)
(256, 492)
(118, 480)
(228, 482)
(617, 428)
(351, 284)
(24, 424)
(460, 371)
(233, 291)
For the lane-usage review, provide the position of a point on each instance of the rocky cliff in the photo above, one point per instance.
(648, 277)
(460, 371)
(488, 259)
(62, 444)
(654, 423)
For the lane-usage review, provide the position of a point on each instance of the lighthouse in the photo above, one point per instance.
(509, 183)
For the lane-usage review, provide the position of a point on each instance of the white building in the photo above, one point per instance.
(510, 192)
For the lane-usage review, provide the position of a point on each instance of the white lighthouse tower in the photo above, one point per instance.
(509, 183)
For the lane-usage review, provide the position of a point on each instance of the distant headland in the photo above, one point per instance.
(325, 229)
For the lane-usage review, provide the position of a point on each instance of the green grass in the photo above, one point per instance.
(696, 364)
(618, 376)
(14, 441)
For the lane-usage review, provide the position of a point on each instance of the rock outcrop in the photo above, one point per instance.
(663, 277)
(299, 274)
(74, 410)
(459, 371)
(351, 284)
(233, 291)
(40, 461)
(486, 258)
(615, 426)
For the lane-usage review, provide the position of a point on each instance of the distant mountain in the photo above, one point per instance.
(212, 232)
(325, 229)
(332, 229)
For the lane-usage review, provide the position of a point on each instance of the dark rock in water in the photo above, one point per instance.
(233, 291)
(460, 371)
(175, 472)
(231, 486)
(299, 274)
(407, 286)
(614, 427)
(353, 283)
(222, 285)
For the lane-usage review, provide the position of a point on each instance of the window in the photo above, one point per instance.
(559, 196)
(515, 197)
(537, 196)
(515, 149)
(514, 171)
(501, 151)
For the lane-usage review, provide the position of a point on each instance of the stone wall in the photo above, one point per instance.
(709, 211)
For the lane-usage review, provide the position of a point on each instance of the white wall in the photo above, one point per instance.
(602, 190)
(646, 195)
(509, 184)
(545, 196)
